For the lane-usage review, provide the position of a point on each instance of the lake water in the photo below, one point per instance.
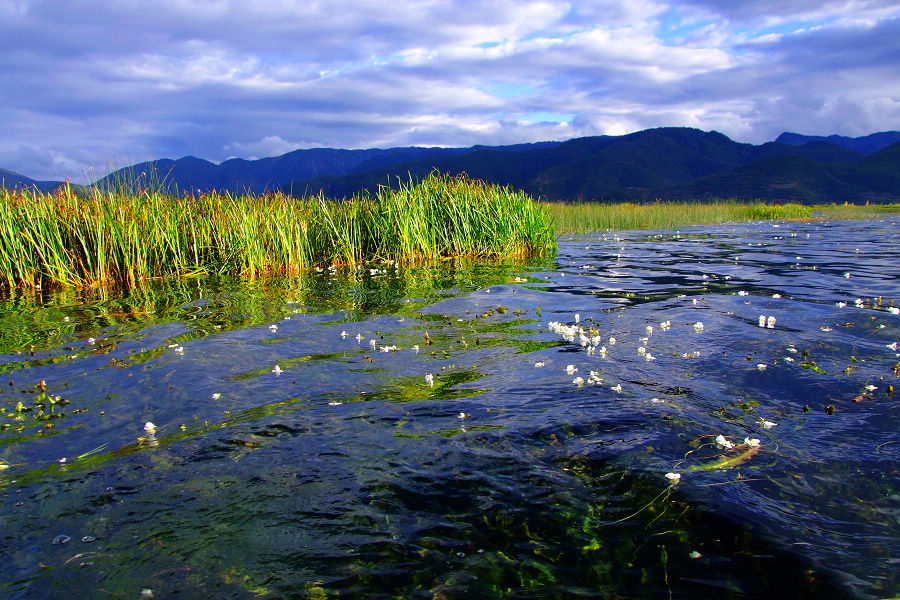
(531, 464)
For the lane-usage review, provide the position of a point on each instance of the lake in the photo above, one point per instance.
(707, 413)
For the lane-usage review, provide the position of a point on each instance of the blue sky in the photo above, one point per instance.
(89, 85)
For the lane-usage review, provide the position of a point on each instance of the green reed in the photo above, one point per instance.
(114, 236)
(595, 216)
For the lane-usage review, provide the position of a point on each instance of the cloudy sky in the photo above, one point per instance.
(92, 84)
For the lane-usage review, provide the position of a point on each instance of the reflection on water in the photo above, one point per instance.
(534, 461)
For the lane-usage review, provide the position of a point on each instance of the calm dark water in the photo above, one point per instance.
(348, 475)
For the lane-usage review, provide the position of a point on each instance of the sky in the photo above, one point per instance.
(87, 86)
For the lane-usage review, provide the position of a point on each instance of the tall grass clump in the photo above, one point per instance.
(111, 235)
(595, 216)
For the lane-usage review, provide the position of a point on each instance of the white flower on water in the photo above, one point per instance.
(577, 318)
(334, 403)
(743, 293)
(723, 443)
(603, 351)
(359, 338)
(776, 295)
(216, 396)
(893, 346)
(698, 326)
(372, 343)
(761, 366)
(841, 304)
(648, 357)
(825, 328)
(612, 341)
(767, 424)
(617, 387)
(91, 341)
(594, 378)
(539, 364)
(871, 387)
(149, 427)
(770, 322)
(273, 327)
(571, 369)
(665, 325)
(673, 477)
(695, 301)
(762, 320)
(277, 370)
(429, 379)
(641, 350)
(894, 310)
(344, 335)
(752, 442)
(847, 275)
(578, 381)
(656, 401)
(649, 329)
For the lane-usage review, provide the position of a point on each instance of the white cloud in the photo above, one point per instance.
(93, 81)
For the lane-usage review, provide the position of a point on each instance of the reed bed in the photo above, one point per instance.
(595, 216)
(854, 211)
(109, 236)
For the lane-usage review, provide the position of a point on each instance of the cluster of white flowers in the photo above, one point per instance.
(768, 322)
(568, 332)
(643, 352)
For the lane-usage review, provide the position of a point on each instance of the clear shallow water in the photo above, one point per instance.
(347, 475)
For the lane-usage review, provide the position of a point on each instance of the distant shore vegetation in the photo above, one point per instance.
(98, 236)
(584, 217)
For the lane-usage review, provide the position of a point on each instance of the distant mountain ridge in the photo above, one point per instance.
(864, 145)
(667, 163)
(11, 179)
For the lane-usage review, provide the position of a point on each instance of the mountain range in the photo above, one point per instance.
(669, 163)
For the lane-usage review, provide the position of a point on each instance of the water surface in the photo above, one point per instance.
(347, 474)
